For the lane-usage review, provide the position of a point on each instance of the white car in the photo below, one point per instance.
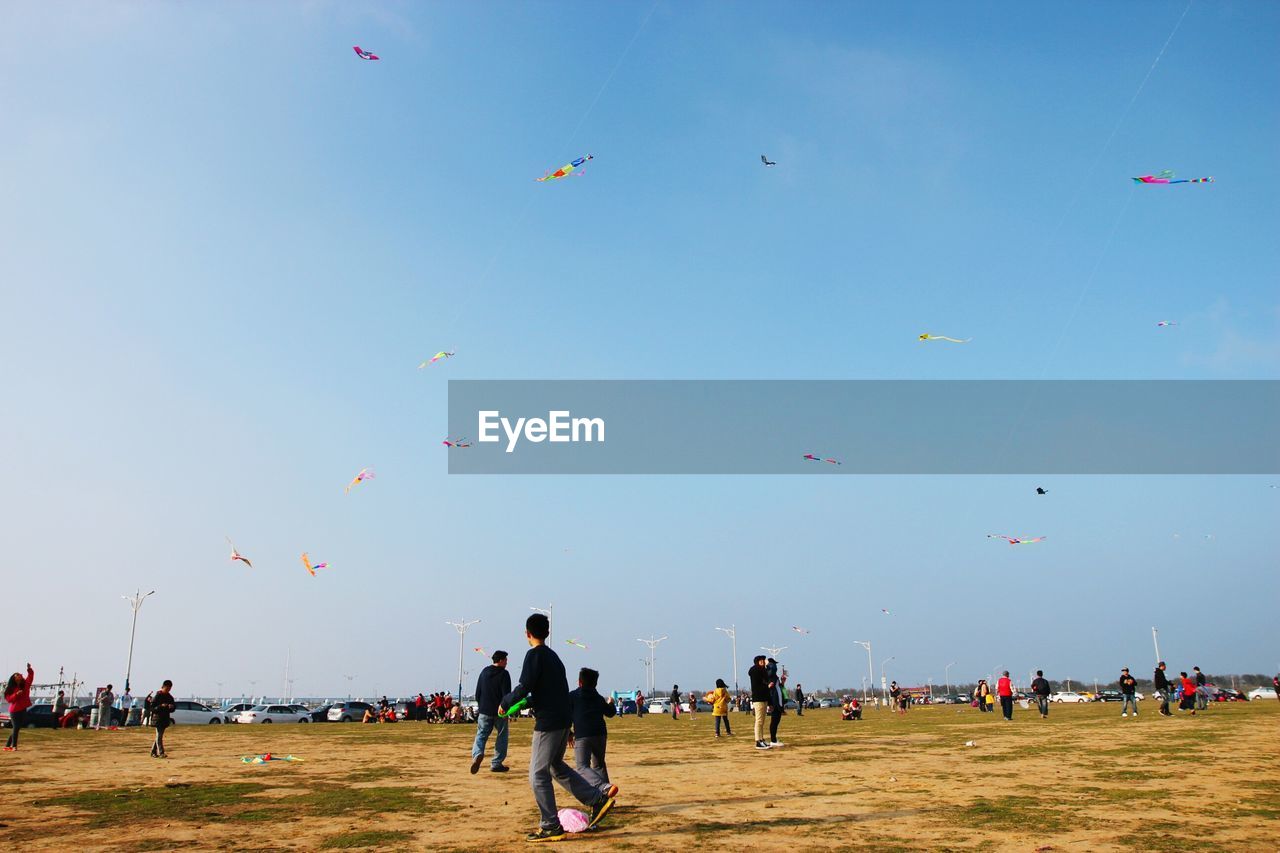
(1261, 693)
(660, 706)
(272, 714)
(1067, 696)
(195, 713)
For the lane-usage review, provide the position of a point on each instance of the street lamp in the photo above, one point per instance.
(946, 674)
(462, 627)
(653, 673)
(350, 679)
(871, 673)
(732, 631)
(135, 601)
(883, 683)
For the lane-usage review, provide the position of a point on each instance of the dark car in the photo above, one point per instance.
(348, 712)
(86, 714)
(321, 714)
(1110, 696)
(39, 716)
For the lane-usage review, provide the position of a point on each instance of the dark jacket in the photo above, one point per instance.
(1161, 681)
(162, 705)
(589, 709)
(759, 676)
(542, 680)
(1200, 679)
(1128, 684)
(1040, 686)
(494, 683)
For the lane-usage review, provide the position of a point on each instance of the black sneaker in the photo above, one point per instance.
(556, 834)
(599, 810)
(501, 768)
(761, 745)
(475, 764)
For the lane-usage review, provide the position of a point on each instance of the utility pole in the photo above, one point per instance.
(946, 674)
(871, 673)
(732, 631)
(1155, 641)
(135, 601)
(462, 627)
(350, 679)
(653, 673)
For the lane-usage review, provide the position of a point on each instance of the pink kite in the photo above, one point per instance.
(364, 54)
(1013, 540)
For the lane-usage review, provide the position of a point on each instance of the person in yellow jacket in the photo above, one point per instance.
(719, 699)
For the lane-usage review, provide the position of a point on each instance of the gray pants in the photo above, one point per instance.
(588, 754)
(546, 761)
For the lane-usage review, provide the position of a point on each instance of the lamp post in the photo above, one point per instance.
(462, 627)
(1155, 641)
(774, 651)
(135, 601)
(350, 679)
(946, 674)
(732, 632)
(884, 684)
(652, 643)
(871, 673)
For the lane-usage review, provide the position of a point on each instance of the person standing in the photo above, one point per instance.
(1275, 685)
(543, 681)
(1162, 688)
(59, 708)
(162, 706)
(17, 692)
(494, 683)
(590, 732)
(675, 701)
(758, 675)
(641, 710)
(1202, 690)
(777, 700)
(895, 693)
(126, 704)
(1040, 689)
(1004, 689)
(1128, 692)
(106, 699)
(719, 699)
(693, 703)
(799, 699)
(1188, 702)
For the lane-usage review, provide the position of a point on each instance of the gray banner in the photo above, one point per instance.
(868, 427)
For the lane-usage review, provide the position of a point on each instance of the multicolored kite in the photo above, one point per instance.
(461, 442)
(364, 54)
(1167, 323)
(928, 337)
(437, 357)
(312, 569)
(813, 458)
(1013, 540)
(565, 171)
(800, 630)
(576, 643)
(1166, 177)
(266, 756)
(365, 474)
(236, 555)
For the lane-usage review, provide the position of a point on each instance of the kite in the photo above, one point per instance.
(236, 555)
(565, 171)
(813, 458)
(928, 337)
(800, 630)
(266, 756)
(767, 161)
(480, 650)
(461, 442)
(1166, 177)
(1013, 540)
(436, 357)
(516, 708)
(306, 562)
(1040, 491)
(1167, 323)
(365, 474)
(364, 54)
(885, 612)
(576, 643)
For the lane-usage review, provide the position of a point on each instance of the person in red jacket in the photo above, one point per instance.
(1004, 687)
(1188, 694)
(18, 694)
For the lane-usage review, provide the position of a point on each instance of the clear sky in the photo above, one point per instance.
(227, 243)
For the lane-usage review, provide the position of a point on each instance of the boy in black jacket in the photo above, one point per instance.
(542, 679)
(590, 734)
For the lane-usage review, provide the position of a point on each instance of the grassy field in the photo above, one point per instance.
(1083, 780)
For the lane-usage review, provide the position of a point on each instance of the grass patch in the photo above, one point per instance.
(371, 838)
(129, 806)
(1008, 813)
(371, 774)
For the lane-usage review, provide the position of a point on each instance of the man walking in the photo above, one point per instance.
(1128, 690)
(799, 700)
(494, 683)
(758, 675)
(59, 708)
(1004, 687)
(675, 701)
(1162, 689)
(1040, 689)
(1202, 692)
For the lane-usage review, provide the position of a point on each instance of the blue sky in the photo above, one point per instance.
(228, 243)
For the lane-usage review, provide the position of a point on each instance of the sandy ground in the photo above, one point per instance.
(1083, 780)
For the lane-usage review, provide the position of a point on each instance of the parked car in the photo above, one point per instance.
(1224, 694)
(196, 713)
(273, 714)
(321, 714)
(1261, 693)
(827, 703)
(659, 706)
(230, 713)
(703, 707)
(86, 714)
(348, 712)
(1067, 696)
(39, 716)
(1110, 696)
(626, 706)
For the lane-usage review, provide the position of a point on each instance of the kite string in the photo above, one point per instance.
(519, 218)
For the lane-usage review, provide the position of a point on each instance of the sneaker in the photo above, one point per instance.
(612, 793)
(501, 768)
(761, 745)
(556, 834)
(1125, 714)
(10, 749)
(773, 744)
(475, 764)
(599, 810)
